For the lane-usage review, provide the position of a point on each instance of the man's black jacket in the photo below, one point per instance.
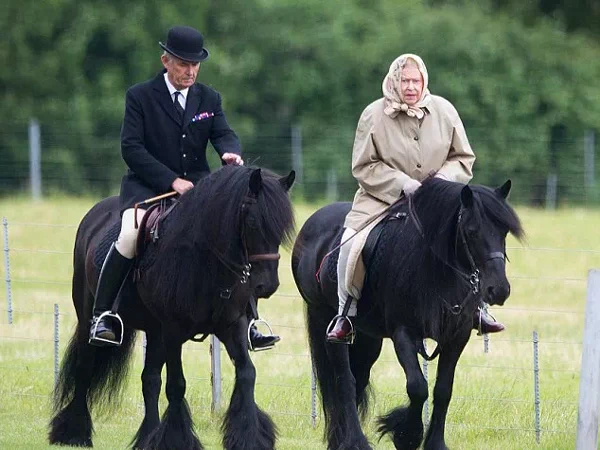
(158, 147)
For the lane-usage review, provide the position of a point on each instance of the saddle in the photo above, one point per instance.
(149, 227)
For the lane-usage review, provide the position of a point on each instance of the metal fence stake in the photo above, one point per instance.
(56, 344)
(7, 272)
(426, 376)
(313, 395)
(536, 381)
(215, 372)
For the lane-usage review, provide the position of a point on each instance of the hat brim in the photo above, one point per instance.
(188, 57)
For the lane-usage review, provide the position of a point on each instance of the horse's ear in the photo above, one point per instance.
(287, 182)
(466, 197)
(503, 190)
(255, 181)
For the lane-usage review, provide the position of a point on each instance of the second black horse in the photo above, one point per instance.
(438, 255)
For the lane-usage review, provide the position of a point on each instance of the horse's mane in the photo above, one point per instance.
(206, 223)
(419, 260)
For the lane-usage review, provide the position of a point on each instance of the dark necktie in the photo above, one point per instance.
(178, 106)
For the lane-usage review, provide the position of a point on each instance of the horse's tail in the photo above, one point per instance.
(99, 371)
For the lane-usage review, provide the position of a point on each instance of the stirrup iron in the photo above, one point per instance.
(116, 320)
(351, 334)
(252, 323)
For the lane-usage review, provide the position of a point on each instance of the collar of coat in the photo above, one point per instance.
(165, 100)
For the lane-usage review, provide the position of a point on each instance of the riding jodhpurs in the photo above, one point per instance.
(343, 293)
(126, 242)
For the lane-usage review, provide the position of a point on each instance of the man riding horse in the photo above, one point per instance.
(167, 125)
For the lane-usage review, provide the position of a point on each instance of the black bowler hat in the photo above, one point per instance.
(185, 43)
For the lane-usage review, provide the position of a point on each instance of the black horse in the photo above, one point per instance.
(217, 249)
(437, 255)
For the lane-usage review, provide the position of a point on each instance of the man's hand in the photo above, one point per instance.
(181, 186)
(232, 158)
(411, 186)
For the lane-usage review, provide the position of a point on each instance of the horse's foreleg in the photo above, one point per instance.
(406, 423)
(151, 384)
(245, 426)
(176, 430)
(443, 391)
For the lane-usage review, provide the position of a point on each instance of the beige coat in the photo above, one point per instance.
(387, 152)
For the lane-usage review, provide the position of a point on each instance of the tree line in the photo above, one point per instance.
(523, 76)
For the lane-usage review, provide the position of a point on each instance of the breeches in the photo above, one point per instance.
(342, 275)
(125, 244)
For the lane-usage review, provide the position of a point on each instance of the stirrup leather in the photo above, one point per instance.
(351, 334)
(252, 323)
(116, 319)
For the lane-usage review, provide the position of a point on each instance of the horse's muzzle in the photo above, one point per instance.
(497, 295)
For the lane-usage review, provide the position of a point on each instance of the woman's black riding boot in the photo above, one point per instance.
(113, 274)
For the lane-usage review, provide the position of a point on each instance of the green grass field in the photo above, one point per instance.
(493, 403)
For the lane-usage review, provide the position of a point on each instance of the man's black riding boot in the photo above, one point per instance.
(113, 273)
(259, 340)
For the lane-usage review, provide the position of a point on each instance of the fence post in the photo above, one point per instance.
(56, 344)
(486, 343)
(536, 386)
(7, 272)
(297, 157)
(313, 395)
(215, 372)
(589, 382)
(35, 159)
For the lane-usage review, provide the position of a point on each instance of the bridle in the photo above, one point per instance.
(472, 279)
(243, 270)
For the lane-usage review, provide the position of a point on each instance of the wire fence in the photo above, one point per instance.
(54, 323)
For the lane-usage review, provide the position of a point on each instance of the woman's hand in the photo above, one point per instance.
(410, 187)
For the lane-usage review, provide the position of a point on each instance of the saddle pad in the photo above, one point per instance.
(110, 236)
(355, 270)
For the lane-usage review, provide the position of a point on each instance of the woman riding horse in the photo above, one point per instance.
(401, 139)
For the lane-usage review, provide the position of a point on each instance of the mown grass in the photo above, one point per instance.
(493, 403)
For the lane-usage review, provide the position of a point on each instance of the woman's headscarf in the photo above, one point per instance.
(392, 90)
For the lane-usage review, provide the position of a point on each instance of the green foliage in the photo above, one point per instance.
(513, 76)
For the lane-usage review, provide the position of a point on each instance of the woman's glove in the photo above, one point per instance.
(411, 186)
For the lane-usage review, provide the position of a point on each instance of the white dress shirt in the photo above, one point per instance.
(184, 92)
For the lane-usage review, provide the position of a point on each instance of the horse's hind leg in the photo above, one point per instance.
(336, 383)
(151, 384)
(245, 426)
(72, 422)
(443, 391)
(406, 423)
(363, 354)
(176, 430)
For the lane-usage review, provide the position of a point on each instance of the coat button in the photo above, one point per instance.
(183, 136)
(416, 138)
(419, 166)
(184, 174)
(184, 155)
